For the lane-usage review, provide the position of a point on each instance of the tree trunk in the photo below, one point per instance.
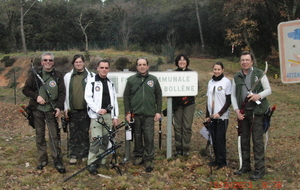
(200, 28)
(22, 28)
(83, 28)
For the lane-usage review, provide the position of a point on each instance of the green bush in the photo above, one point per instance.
(159, 61)
(5, 58)
(8, 62)
(122, 63)
(1, 69)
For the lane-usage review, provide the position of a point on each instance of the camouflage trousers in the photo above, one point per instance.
(99, 139)
(79, 134)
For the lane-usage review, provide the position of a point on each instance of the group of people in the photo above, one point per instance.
(85, 96)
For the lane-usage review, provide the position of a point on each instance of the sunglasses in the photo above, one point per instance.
(104, 67)
(50, 60)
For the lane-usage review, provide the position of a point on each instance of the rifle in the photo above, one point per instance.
(242, 111)
(159, 134)
(26, 112)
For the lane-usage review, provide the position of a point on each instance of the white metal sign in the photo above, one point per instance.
(289, 50)
(173, 83)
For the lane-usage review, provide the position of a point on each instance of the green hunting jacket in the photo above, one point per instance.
(147, 100)
(239, 81)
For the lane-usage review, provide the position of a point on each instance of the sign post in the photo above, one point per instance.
(175, 83)
(289, 51)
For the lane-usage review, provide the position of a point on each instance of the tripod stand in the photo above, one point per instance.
(110, 135)
(114, 146)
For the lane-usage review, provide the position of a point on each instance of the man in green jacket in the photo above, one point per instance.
(143, 101)
(252, 118)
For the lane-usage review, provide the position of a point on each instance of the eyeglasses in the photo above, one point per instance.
(50, 60)
(104, 67)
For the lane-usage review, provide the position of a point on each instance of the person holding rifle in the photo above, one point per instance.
(250, 109)
(46, 90)
(101, 99)
(143, 101)
(218, 102)
(76, 109)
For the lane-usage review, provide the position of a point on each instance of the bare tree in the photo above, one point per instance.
(83, 29)
(22, 15)
(125, 33)
(200, 28)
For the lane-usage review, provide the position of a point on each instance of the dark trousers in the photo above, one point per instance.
(41, 121)
(252, 125)
(218, 133)
(79, 142)
(144, 137)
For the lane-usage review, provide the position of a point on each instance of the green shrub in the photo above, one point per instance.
(122, 63)
(1, 69)
(5, 58)
(8, 62)
(159, 61)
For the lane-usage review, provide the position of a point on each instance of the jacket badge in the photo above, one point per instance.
(97, 88)
(52, 83)
(150, 83)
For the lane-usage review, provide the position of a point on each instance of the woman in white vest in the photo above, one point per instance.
(218, 102)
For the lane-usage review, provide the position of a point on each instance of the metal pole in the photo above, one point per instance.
(169, 128)
(127, 142)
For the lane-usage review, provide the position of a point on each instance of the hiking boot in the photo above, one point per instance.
(178, 153)
(84, 160)
(257, 175)
(138, 161)
(185, 154)
(213, 163)
(242, 171)
(73, 160)
(93, 169)
(60, 168)
(42, 165)
(149, 166)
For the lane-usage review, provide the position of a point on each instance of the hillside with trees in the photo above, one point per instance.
(162, 27)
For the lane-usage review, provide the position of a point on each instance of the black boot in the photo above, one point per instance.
(42, 165)
(60, 168)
